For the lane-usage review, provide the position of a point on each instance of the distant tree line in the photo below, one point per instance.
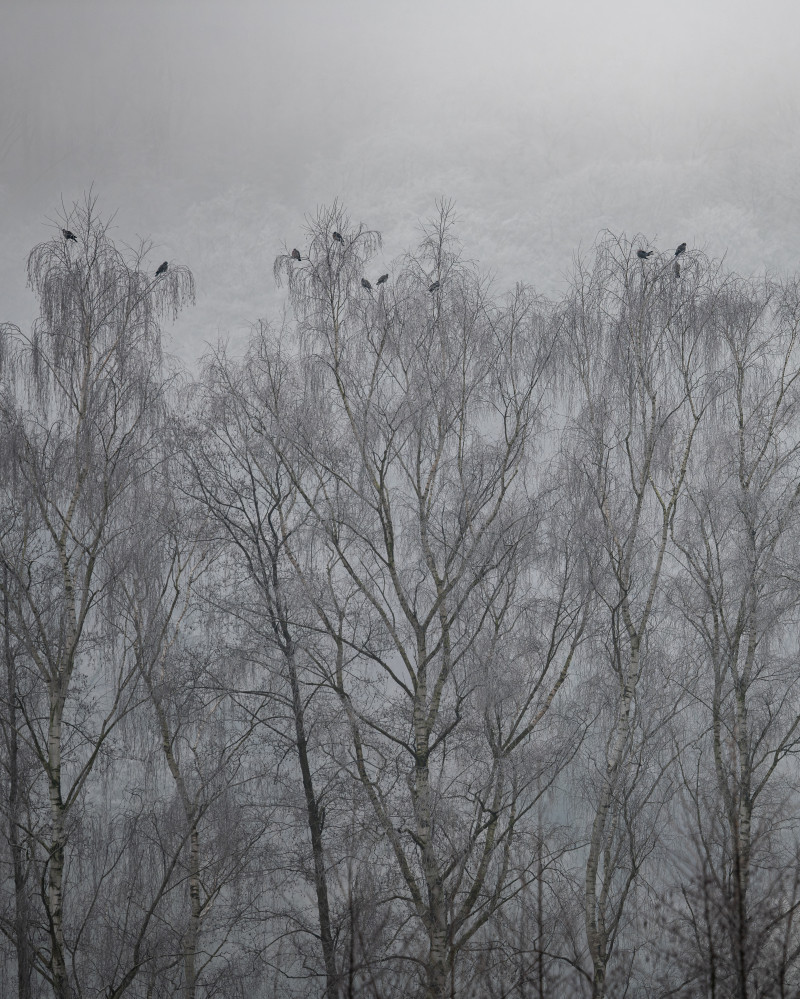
(444, 644)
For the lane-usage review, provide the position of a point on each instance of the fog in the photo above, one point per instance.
(215, 128)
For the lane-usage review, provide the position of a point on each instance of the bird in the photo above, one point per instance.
(434, 286)
(676, 269)
(69, 235)
(644, 254)
(382, 279)
(296, 254)
(366, 284)
(338, 237)
(681, 249)
(162, 269)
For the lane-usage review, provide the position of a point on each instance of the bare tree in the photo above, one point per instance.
(409, 425)
(641, 387)
(15, 806)
(738, 596)
(203, 739)
(251, 505)
(85, 394)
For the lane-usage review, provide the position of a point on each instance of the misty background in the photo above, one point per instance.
(214, 128)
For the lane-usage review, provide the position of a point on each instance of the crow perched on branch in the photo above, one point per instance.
(338, 237)
(366, 284)
(296, 254)
(681, 249)
(162, 269)
(434, 286)
(69, 235)
(644, 254)
(383, 279)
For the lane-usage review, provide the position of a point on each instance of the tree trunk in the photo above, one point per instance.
(190, 938)
(437, 960)
(315, 824)
(55, 886)
(599, 980)
(436, 916)
(193, 932)
(540, 912)
(596, 934)
(21, 916)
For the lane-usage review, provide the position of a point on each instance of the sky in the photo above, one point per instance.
(214, 128)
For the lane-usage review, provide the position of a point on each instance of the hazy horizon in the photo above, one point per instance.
(215, 129)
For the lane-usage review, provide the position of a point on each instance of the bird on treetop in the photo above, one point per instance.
(383, 279)
(162, 269)
(338, 237)
(434, 286)
(296, 254)
(644, 254)
(681, 249)
(366, 284)
(69, 235)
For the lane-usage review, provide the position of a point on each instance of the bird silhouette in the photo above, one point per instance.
(366, 284)
(383, 279)
(70, 235)
(681, 249)
(162, 269)
(676, 269)
(296, 254)
(434, 286)
(338, 237)
(644, 254)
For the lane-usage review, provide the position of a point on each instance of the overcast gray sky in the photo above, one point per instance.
(214, 127)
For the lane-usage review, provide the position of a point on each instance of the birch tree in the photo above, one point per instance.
(409, 421)
(641, 343)
(17, 925)
(252, 507)
(738, 597)
(195, 678)
(85, 395)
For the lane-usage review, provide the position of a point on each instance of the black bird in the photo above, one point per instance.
(383, 279)
(70, 235)
(676, 269)
(338, 237)
(434, 286)
(366, 284)
(296, 254)
(162, 269)
(681, 249)
(644, 254)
